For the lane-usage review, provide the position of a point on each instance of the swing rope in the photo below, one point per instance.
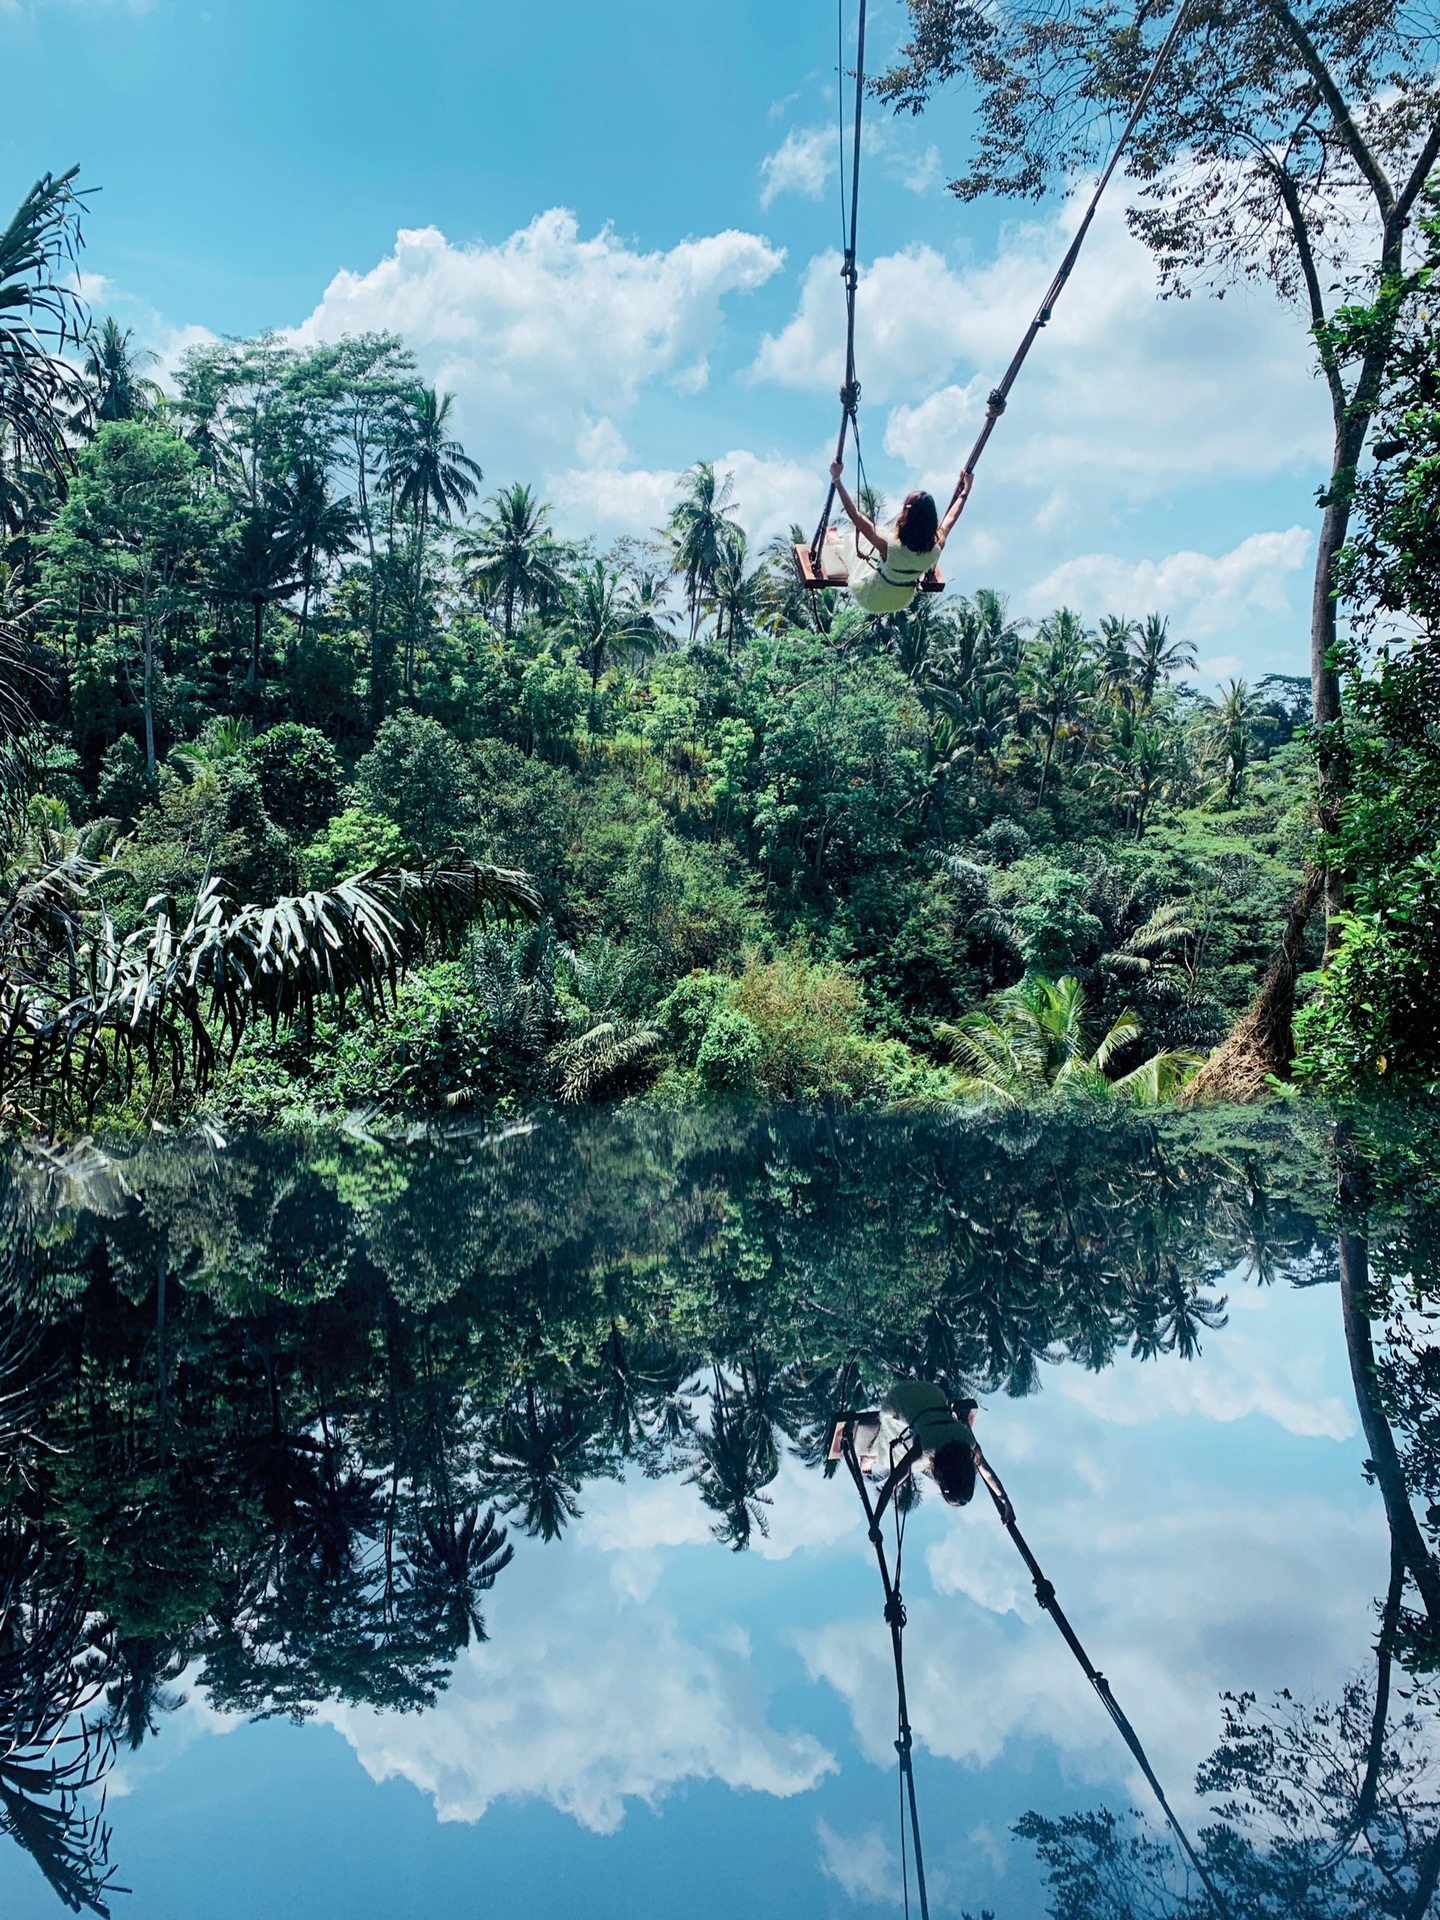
(1046, 1596)
(895, 1619)
(850, 392)
(1000, 395)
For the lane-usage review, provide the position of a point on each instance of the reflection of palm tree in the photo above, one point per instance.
(544, 1451)
(459, 1559)
(737, 1459)
(139, 1693)
(51, 1758)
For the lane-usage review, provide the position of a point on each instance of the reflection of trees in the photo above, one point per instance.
(50, 1756)
(294, 1473)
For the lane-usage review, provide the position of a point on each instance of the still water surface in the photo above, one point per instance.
(431, 1527)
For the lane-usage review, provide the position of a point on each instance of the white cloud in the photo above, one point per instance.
(1121, 391)
(529, 331)
(802, 163)
(770, 493)
(1205, 594)
(860, 1864)
(586, 1699)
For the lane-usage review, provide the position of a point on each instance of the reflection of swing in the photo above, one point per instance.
(809, 561)
(845, 1431)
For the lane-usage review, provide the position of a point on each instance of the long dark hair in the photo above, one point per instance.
(919, 522)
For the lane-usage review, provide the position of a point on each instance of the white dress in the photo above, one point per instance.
(879, 586)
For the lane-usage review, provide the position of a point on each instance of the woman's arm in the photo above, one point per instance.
(863, 523)
(955, 509)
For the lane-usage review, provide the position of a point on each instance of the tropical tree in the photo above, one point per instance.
(1286, 142)
(1157, 657)
(514, 553)
(1234, 722)
(112, 367)
(41, 314)
(701, 528)
(133, 537)
(1113, 659)
(735, 595)
(1057, 679)
(261, 565)
(314, 523)
(604, 619)
(1031, 1041)
(428, 469)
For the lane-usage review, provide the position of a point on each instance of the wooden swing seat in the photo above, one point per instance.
(817, 582)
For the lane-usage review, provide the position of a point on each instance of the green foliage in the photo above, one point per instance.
(299, 776)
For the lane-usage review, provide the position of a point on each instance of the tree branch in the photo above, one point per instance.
(1420, 173)
(1335, 100)
(1289, 193)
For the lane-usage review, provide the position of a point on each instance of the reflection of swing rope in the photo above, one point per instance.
(1045, 1594)
(895, 1619)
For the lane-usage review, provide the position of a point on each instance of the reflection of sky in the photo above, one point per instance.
(656, 1719)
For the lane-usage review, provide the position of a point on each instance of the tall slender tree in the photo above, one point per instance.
(428, 470)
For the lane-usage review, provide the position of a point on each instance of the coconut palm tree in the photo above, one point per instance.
(260, 566)
(603, 618)
(1115, 661)
(315, 523)
(734, 595)
(112, 364)
(1057, 678)
(513, 552)
(700, 529)
(1234, 721)
(41, 314)
(457, 1558)
(1031, 1041)
(428, 469)
(1157, 657)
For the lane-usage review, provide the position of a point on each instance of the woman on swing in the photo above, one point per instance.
(885, 579)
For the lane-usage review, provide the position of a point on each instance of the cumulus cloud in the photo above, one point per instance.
(802, 163)
(587, 1700)
(527, 332)
(860, 1864)
(1121, 388)
(770, 493)
(1205, 594)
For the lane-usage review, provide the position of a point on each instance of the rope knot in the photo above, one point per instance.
(996, 404)
(904, 1743)
(850, 397)
(1045, 1594)
(895, 1615)
(877, 1538)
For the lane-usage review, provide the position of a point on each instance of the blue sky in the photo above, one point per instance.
(619, 231)
(653, 1716)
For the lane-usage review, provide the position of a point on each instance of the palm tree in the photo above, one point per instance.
(700, 529)
(315, 523)
(428, 469)
(118, 390)
(1031, 1041)
(734, 596)
(41, 313)
(86, 1010)
(514, 553)
(1114, 659)
(1157, 656)
(1235, 719)
(1058, 678)
(604, 619)
(260, 567)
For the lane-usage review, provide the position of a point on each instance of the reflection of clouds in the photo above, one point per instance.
(586, 1701)
(640, 1515)
(858, 1863)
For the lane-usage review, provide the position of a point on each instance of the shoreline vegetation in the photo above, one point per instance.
(333, 779)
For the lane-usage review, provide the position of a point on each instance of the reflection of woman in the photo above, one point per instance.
(918, 1414)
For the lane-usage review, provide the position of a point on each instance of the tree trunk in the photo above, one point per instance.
(1384, 1456)
(1262, 1041)
(149, 645)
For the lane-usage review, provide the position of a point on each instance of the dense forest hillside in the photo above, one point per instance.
(724, 840)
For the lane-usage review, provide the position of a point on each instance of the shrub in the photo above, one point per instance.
(299, 775)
